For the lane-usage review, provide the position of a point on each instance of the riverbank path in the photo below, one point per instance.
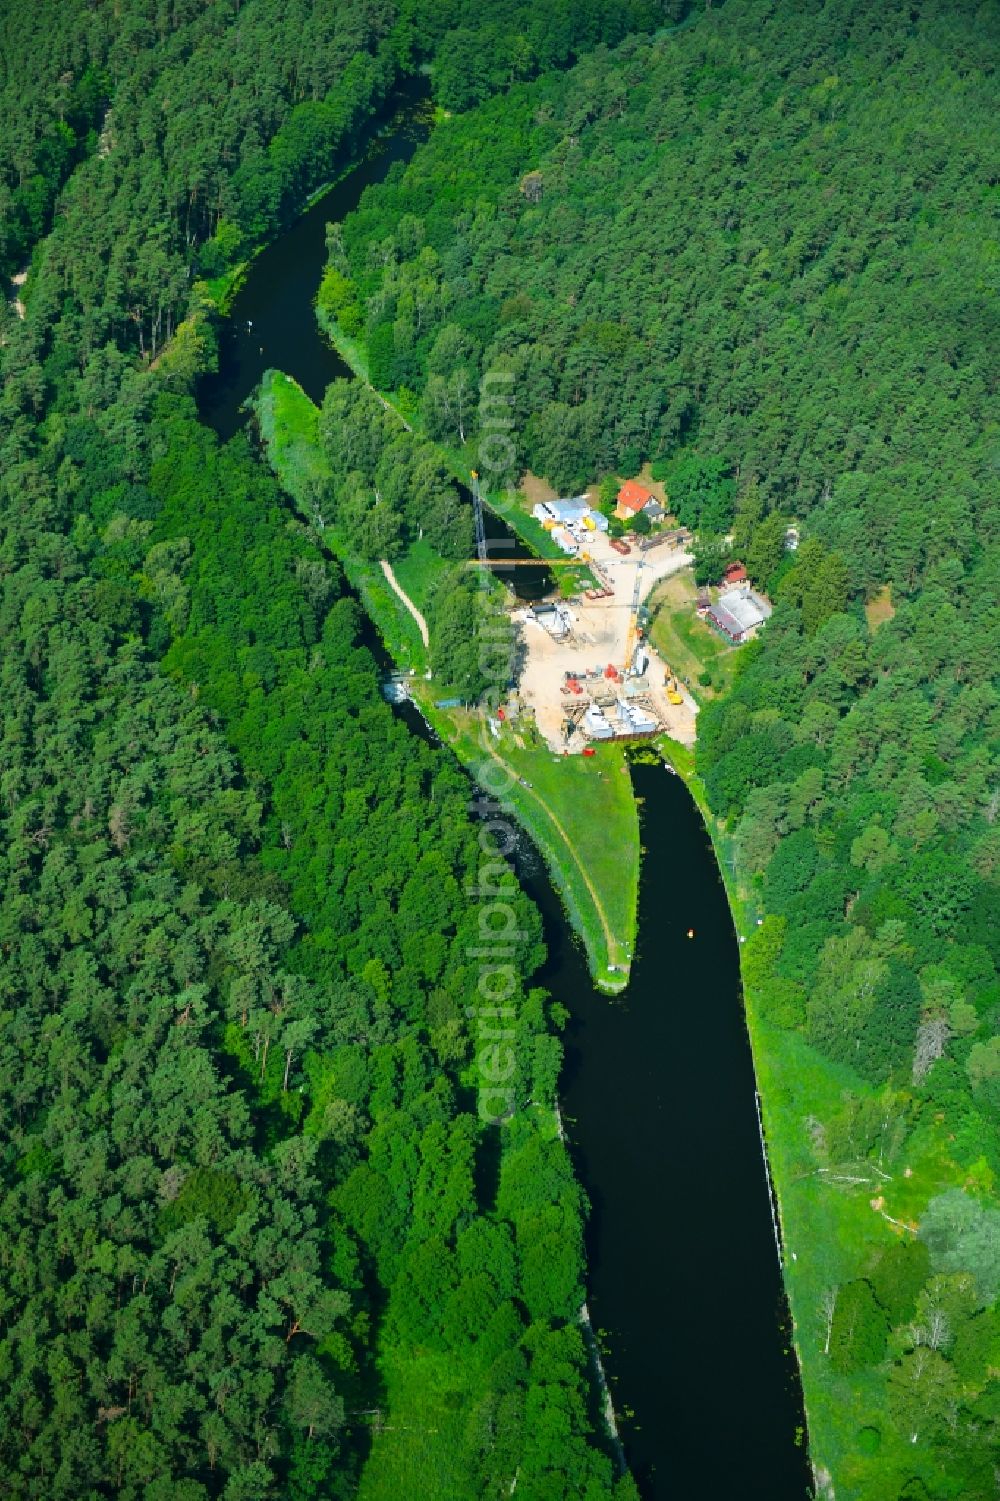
(397, 589)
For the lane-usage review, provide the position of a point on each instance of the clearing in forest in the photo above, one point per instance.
(394, 585)
(880, 608)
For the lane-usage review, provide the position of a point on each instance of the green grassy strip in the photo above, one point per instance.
(220, 290)
(690, 645)
(289, 426)
(827, 1227)
(592, 827)
(417, 571)
(582, 816)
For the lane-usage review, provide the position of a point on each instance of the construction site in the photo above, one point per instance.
(587, 671)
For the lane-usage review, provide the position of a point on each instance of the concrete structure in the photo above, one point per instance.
(676, 538)
(634, 720)
(596, 725)
(595, 636)
(552, 618)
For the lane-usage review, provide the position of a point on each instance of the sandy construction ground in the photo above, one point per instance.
(599, 636)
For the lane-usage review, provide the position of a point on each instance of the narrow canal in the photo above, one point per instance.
(658, 1089)
(658, 1098)
(272, 323)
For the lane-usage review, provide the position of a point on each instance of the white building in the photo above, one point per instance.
(577, 512)
(738, 613)
(565, 539)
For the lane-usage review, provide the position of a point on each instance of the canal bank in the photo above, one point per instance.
(577, 810)
(684, 1286)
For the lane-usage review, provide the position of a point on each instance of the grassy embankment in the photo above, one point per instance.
(582, 816)
(832, 1224)
(579, 812)
(831, 1218)
(691, 647)
(289, 425)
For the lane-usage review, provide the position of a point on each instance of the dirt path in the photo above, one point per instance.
(615, 955)
(394, 585)
(19, 281)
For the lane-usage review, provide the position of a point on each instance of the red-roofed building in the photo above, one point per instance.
(633, 498)
(734, 574)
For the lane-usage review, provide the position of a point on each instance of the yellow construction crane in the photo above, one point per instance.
(522, 562)
(633, 621)
(477, 509)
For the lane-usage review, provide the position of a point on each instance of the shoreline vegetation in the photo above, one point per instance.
(810, 1211)
(220, 290)
(244, 1135)
(844, 774)
(594, 861)
(842, 757)
(352, 351)
(818, 1211)
(555, 799)
(288, 423)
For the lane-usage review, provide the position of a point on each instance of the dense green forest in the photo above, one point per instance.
(250, 1204)
(371, 458)
(762, 254)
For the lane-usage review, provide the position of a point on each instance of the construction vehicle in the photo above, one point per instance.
(670, 683)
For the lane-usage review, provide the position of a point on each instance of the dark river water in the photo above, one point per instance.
(658, 1089)
(658, 1095)
(272, 323)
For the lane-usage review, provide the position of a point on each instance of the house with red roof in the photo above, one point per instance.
(634, 498)
(734, 574)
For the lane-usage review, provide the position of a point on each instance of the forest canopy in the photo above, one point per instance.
(243, 1204)
(246, 1197)
(762, 256)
